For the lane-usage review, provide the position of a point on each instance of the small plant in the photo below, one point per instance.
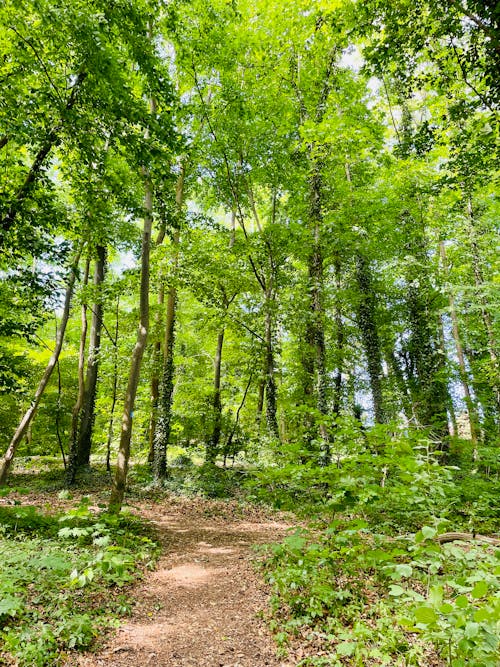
(56, 572)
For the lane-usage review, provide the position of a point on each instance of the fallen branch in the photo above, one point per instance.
(466, 537)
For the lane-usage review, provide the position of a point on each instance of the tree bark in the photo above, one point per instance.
(75, 415)
(155, 375)
(270, 382)
(22, 429)
(115, 386)
(260, 402)
(120, 480)
(213, 444)
(163, 425)
(462, 368)
(89, 397)
(317, 382)
(369, 335)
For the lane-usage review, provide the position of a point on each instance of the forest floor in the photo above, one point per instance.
(202, 606)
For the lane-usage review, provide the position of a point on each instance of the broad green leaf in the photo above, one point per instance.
(425, 615)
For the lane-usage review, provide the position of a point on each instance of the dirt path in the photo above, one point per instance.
(200, 607)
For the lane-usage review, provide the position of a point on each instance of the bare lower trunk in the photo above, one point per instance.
(120, 480)
(22, 429)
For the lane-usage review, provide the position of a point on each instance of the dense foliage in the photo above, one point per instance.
(295, 205)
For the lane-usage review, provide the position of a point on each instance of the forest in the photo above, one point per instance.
(249, 277)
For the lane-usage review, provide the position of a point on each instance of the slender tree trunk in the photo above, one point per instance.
(369, 335)
(400, 381)
(75, 415)
(339, 345)
(213, 444)
(89, 397)
(163, 425)
(450, 407)
(260, 402)
(120, 480)
(462, 368)
(155, 375)
(155, 398)
(316, 364)
(115, 386)
(229, 442)
(21, 430)
(270, 383)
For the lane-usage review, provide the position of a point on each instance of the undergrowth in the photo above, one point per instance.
(368, 582)
(64, 579)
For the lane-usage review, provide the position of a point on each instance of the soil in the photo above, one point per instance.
(203, 605)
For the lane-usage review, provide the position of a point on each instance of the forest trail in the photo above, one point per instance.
(200, 607)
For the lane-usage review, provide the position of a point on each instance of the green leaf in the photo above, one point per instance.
(396, 591)
(461, 602)
(10, 606)
(471, 630)
(480, 589)
(436, 595)
(483, 615)
(425, 615)
(346, 648)
(403, 570)
(428, 532)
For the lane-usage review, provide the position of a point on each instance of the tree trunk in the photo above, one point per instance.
(369, 335)
(315, 336)
(339, 345)
(163, 424)
(166, 389)
(120, 480)
(462, 368)
(89, 397)
(213, 444)
(260, 402)
(115, 386)
(155, 374)
(270, 382)
(22, 429)
(400, 381)
(75, 415)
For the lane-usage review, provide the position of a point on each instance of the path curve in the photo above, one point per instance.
(201, 606)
